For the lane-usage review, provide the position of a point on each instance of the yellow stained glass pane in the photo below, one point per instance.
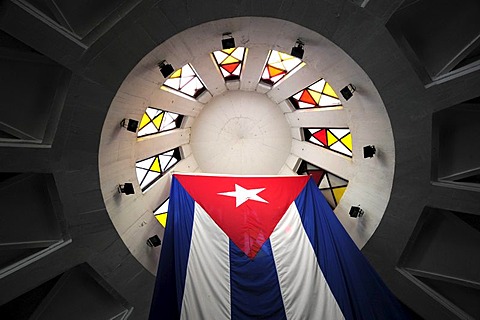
(338, 193)
(230, 59)
(158, 120)
(331, 139)
(329, 90)
(347, 141)
(229, 51)
(177, 73)
(155, 166)
(315, 95)
(285, 56)
(145, 121)
(162, 218)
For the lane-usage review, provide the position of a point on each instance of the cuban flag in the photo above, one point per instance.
(262, 248)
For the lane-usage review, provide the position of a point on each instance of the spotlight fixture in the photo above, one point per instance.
(297, 50)
(348, 91)
(228, 42)
(154, 241)
(165, 68)
(369, 151)
(129, 124)
(126, 188)
(356, 212)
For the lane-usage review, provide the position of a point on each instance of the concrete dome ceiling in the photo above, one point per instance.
(244, 127)
(71, 70)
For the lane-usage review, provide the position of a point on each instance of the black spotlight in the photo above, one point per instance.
(297, 50)
(348, 91)
(165, 68)
(369, 151)
(154, 241)
(126, 188)
(228, 42)
(129, 124)
(356, 211)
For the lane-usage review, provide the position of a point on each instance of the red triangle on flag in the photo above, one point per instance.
(250, 223)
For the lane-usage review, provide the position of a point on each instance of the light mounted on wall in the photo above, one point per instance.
(154, 241)
(348, 91)
(356, 212)
(228, 42)
(298, 50)
(126, 188)
(129, 124)
(369, 151)
(165, 68)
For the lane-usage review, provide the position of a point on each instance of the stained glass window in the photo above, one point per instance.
(339, 140)
(151, 169)
(332, 187)
(156, 120)
(161, 213)
(318, 95)
(229, 62)
(185, 81)
(279, 64)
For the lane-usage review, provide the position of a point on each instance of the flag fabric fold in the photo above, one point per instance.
(262, 248)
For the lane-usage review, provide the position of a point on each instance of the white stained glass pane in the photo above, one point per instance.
(238, 53)
(324, 182)
(168, 126)
(163, 208)
(140, 174)
(225, 73)
(151, 176)
(340, 133)
(187, 71)
(164, 160)
(220, 56)
(318, 86)
(338, 146)
(265, 74)
(145, 164)
(172, 162)
(328, 195)
(337, 181)
(184, 81)
(278, 65)
(326, 101)
(236, 72)
(198, 83)
(152, 112)
(173, 83)
(190, 88)
(297, 95)
(303, 105)
(315, 140)
(148, 129)
(291, 64)
(276, 78)
(313, 131)
(274, 57)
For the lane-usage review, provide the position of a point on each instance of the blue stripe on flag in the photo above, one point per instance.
(170, 282)
(255, 291)
(356, 286)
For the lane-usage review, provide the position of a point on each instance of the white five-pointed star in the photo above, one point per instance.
(241, 195)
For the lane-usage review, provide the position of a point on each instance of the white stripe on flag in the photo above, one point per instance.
(207, 283)
(305, 291)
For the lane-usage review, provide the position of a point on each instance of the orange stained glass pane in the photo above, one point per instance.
(306, 97)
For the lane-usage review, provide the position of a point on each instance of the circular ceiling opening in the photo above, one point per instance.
(241, 132)
(253, 119)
